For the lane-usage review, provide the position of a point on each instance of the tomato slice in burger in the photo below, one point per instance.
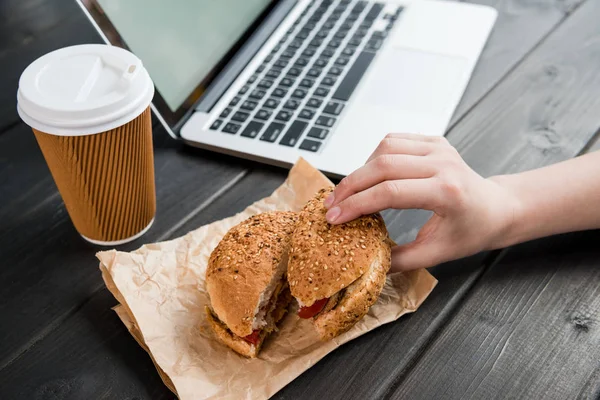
(311, 311)
(254, 337)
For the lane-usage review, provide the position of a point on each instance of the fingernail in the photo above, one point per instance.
(333, 214)
(329, 200)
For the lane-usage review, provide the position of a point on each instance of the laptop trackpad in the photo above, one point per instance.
(414, 81)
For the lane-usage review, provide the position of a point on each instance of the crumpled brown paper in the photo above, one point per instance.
(160, 288)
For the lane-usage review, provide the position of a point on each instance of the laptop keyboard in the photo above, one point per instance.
(297, 94)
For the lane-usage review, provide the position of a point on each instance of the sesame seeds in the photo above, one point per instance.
(316, 288)
(344, 268)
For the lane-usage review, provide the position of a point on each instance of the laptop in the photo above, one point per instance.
(275, 80)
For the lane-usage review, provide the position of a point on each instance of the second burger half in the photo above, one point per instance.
(337, 272)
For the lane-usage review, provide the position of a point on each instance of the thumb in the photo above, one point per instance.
(416, 255)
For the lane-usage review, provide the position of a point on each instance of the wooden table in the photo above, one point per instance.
(519, 323)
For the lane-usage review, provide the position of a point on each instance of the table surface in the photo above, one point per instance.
(523, 322)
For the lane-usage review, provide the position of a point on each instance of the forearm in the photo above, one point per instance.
(563, 197)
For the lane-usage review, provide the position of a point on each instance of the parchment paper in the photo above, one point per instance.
(161, 291)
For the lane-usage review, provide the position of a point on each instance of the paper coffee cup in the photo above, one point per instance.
(88, 106)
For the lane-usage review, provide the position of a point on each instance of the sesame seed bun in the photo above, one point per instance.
(246, 270)
(325, 259)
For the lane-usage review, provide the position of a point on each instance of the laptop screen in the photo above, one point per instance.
(183, 44)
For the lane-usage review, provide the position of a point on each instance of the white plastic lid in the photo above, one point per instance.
(85, 89)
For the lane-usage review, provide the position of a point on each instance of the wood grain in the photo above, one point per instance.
(529, 329)
(90, 356)
(521, 26)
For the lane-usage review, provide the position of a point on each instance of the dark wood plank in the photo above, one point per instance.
(528, 330)
(91, 356)
(28, 30)
(520, 27)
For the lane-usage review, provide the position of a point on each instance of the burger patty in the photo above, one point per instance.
(278, 305)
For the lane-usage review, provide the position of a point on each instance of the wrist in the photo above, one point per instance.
(513, 222)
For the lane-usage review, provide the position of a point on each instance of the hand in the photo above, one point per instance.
(407, 171)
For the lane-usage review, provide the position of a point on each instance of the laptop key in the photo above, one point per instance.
(355, 73)
(295, 44)
(281, 63)
(293, 133)
(327, 53)
(273, 73)
(308, 52)
(374, 44)
(257, 94)
(299, 93)
(360, 33)
(249, 105)
(318, 133)
(360, 6)
(265, 84)
(323, 33)
(301, 62)
(284, 115)
(329, 24)
(342, 61)
(244, 89)
(341, 34)
(253, 129)
(333, 108)
(253, 78)
(303, 34)
(287, 82)
(279, 92)
(314, 72)
(314, 102)
(348, 51)
(225, 113)
(374, 12)
(294, 72)
(309, 26)
(261, 68)
(291, 104)
(379, 34)
(307, 83)
(315, 42)
(334, 43)
(271, 103)
(306, 114)
(234, 101)
(272, 133)
(287, 54)
(240, 116)
(215, 125)
(231, 128)
(355, 41)
(335, 71)
(321, 62)
(325, 121)
(263, 114)
(310, 145)
(328, 81)
(321, 91)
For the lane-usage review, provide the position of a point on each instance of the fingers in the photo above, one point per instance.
(416, 255)
(401, 194)
(396, 145)
(383, 168)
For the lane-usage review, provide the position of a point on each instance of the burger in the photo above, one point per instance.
(337, 272)
(246, 281)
